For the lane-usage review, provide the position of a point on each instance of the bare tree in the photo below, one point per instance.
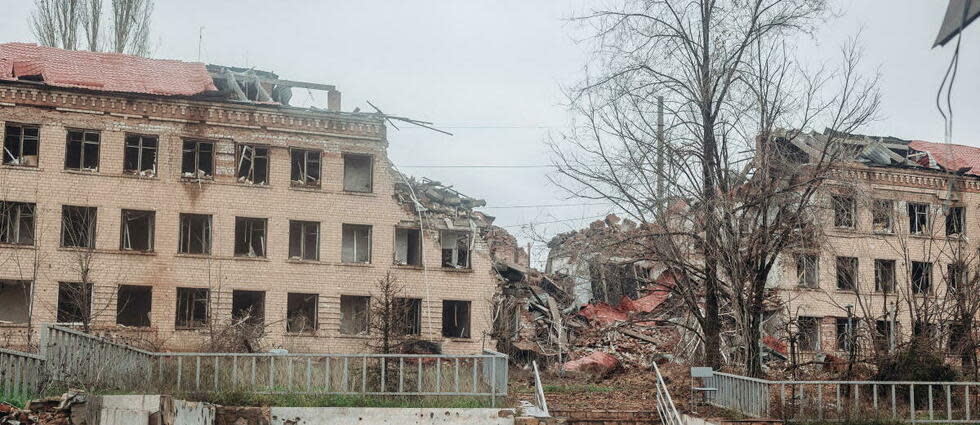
(57, 23)
(729, 84)
(389, 314)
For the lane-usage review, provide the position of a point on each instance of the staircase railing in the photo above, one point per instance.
(665, 404)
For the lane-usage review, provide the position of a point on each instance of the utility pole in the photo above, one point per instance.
(661, 145)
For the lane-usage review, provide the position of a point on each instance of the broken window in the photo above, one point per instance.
(301, 313)
(885, 275)
(250, 237)
(455, 249)
(133, 305)
(408, 247)
(807, 270)
(78, 226)
(195, 234)
(356, 243)
(846, 329)
(253, 164)
(844, 211)
(304, 240)
(884, 329)
(808, 333)
(410, 309)
(305, 167)
(248, 307)
(82, 150)
(74, 302)
(358, 173)
(955, 221)
(921, 277)
(881, 215)
(847, 268)
(137, 230)
(20, 145)
(924, 330)
(354, 314)
(17, 223)
(140, 157)
(955, 275)
(198, 159)
(456, 319)
(192, 308)
(918, 218)
(15, 301)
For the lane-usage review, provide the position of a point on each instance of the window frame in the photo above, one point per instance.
(265, 236)
(804, 259)
(12, 218)
(957, 227)
(304, 171)
(190, 323)
(923, 283)
(316, 313)
(149, 312)
(91, 232)
(370, 159)
(141, 148)
(841, 204)
(181, 241)
(915, 227)
(469, 318)
(20, 144)
(854, 273)
(367, 321)
(881, 285)
(453, 263)
(239, 160)
(81, 149)
(883, 205)
(152, 230)
(196, 153)
(815, 340)
(302, 240)
(356, 228)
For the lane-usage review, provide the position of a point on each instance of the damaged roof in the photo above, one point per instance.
(113, 72)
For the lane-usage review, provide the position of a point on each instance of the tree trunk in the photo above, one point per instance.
(712, 321)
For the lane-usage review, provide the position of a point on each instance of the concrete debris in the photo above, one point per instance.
(69, 408)
(597, 364)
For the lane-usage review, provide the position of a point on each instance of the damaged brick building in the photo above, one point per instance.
(157, 198)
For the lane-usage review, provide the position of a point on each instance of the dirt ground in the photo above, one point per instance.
(624, 390)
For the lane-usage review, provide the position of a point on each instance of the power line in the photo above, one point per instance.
(545, 205)
(479, 166)
(555, 221)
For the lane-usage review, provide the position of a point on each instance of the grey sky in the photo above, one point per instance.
(491, 72)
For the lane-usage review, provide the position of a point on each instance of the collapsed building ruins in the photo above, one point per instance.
(168, 201)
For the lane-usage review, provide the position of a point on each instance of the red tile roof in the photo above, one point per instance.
(950, 157)
(103, 71)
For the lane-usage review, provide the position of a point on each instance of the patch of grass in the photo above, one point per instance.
(333, 400)
(589, 388)
(16, 400)
(851, 422)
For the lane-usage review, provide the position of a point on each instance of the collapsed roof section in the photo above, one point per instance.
(116, 72)
(885, 151)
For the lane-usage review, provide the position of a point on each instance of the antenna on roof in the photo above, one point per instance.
(392, 118)
(200, 40)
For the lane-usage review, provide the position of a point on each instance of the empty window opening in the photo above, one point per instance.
(844, 211)
(15, 301)
(846, 333)
(410, 310)
(192, 308)
(956, 276)
(921, 277)
(137, 230)
(456, 319)
(248, 307)
(17, 223)
(807, 275)
(885, 275)
(305, 167)
(82, 150)
(354, 314)
(78, 226)
(140, 157)
(195, 233)
(924, 330)
(358, 173)
(408, 247)
(847, 269)
(253, 164)
(133, 305)
(882, 211)
(304, 240)
(955, 221)
(884, 329)
(918, 218)
(808, 333)
(74, 302)
(301, 313)
(20, 145)
(250, 237)
(356, 243)
(455, 249)
(198, 159)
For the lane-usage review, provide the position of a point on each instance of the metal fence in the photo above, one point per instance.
(74, 358)
(665, 404)
(801, 401)
(366, 374)
(77, 358)
(20, 373)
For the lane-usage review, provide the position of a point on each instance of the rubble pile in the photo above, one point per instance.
(67, 409)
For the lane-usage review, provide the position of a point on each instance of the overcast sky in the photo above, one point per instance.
(492, 73)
